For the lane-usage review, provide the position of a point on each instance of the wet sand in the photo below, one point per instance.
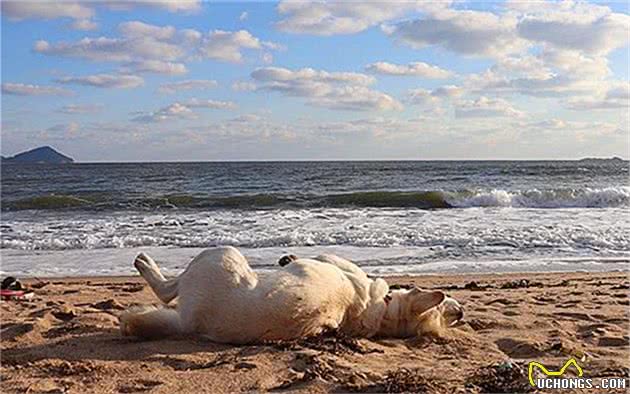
(66, 340)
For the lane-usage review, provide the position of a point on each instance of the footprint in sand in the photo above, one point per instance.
(614, 341)
(519, 348)
(575, 315)
(511, 313)
(139, 386)
(12, 331)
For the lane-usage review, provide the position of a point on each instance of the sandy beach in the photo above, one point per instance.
(66, 340)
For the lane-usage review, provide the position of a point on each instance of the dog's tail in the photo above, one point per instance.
(165, 289)
(150, 322)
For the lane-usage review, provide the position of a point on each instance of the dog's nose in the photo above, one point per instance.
(284, 260)
(458, 317)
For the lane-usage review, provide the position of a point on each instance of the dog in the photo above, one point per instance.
(221, 298)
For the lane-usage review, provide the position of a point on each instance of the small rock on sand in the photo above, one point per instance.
(109, 304)
(65, 313)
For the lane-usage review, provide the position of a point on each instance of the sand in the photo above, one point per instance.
(66, 340)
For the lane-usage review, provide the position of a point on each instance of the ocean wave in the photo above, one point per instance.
(450, 233)
(555, 198)
(438, 199)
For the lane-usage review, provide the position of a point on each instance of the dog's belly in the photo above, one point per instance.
(277, 320)
(282, 306)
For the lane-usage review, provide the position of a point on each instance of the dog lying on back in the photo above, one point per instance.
(221, 298)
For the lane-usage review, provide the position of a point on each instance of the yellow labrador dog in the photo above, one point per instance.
(221, 298)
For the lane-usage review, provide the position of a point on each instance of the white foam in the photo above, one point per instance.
(534, 198)
(377, 261)
(377, 237)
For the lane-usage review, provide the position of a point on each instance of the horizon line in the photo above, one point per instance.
(325, 160)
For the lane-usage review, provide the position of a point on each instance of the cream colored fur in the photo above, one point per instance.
(220, 297)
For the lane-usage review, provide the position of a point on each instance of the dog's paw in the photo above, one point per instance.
(144, 263)
(128, 320)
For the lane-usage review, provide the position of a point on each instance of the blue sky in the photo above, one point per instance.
(183, 80)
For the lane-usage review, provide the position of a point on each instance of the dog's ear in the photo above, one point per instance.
(421, 301)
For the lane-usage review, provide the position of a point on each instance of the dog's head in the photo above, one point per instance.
(452, 312)
(415, 312)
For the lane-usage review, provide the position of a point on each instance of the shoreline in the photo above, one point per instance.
(67, 339)
(389, 277)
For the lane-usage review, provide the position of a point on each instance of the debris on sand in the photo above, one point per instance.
(506, 377)
(305, 367)
(402, 380)
(476, 287)
(332, 342)
(108, 305)
(520, 284)
(396, 286)
(65, 313)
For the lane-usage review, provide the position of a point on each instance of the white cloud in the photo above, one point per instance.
(112, 81)
(486, 107)
(21, 89)
(278, 74)
(139, 42)
(550, 73)
(616, 97)
(184, 110)
(105, 49)
(159, 48)
(343, 17)
(21, 10)
(247, 118)
(170, 112)
(473, 33)
(416, 69)
(333, 90)
(76, 109)
(137, 29)
(228, 46)
(213, 104)
(190, 84)
(448, 91)
(579, 26)
(429, 98)
(83, 11)
(357, 98)
(157, 67)
(186, 6)
(570, 128)
(421, 97)
(548, 124)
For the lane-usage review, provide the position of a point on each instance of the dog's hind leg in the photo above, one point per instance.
(150, 322)
(165, 289)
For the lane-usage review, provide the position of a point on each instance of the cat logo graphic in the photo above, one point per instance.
(545, 371)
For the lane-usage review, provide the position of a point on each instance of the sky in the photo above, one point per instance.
(168, 80)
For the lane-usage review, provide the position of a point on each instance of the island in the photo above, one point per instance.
(41, 155)
(614, 159)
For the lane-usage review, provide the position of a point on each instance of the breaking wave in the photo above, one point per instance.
(438, 199)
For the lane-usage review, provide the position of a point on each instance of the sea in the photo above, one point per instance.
(390, 217)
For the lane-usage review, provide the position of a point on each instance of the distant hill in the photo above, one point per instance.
(42, 155)
(602, 159)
